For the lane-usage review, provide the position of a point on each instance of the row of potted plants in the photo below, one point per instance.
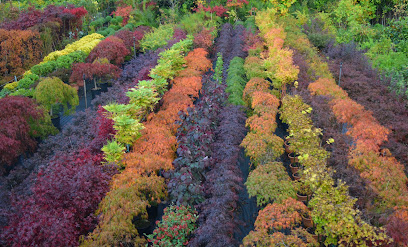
(280, 218)
(51, 93)
(72, 161)
(371, 92)
(306, 142)
(205, 174)
(51, 62)
(223, 180)
(330, 201)
(86, 135)
(376, 165)
(143, 99)
(153, 151)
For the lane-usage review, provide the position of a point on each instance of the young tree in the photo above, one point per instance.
(18, 115)
(100, 69)
(112, 48)
(52, 91)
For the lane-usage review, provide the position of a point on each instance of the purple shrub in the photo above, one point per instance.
(363, 85)
(223, 182)
(230, 44)
(64, 197)
(194, 136)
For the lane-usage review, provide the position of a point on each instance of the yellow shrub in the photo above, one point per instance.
(11, 86)
(85, 44)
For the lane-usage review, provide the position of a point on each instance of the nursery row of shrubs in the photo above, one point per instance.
(75, 52)
(375, 165)
(269, 182)
(81, 141)
(315, 177)
(50, 91)
(363, 84)
(153, 150)
(206, 174)
(25, 40)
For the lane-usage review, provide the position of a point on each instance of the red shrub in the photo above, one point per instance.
(112, 48)
(15, 115)
(124, 12)
(128, 36)
(61, 208)
(397, 227)
(204, 39)
(91, 70)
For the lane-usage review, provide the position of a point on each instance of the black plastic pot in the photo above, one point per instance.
(104, 87)
(56, 121)
(95, 92)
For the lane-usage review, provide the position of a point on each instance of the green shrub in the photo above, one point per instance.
(270, 183)
(193, 23)
(219, 66)
(253, 67)
(52, 91)
(113, 151)
(171, 61)
(236, 81)
(27, 81)
(157, 38)
(44, 69)
(23, 92)
(4, 92)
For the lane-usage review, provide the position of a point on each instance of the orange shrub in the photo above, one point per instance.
(347, 111)
(19, 49)
(386, 176)
(260, 98)
(276, 216)
(137, 186)
(273, 34)
(253, 85)
(369, 134)
(262, 148)
(264, 124)
(197, 63)
(324, 86)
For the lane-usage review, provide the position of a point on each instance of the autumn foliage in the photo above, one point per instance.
(368, 135)
(95, 70)
(153, 151)
(112, 48)
(18, 51)
(274, 218)
(261, 144)
(123, 11)
(16, 115)
(62, 202)
(204, 39)
(131, 39)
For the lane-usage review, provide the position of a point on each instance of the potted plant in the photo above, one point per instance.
(303, 191)
(270, 183)
(52, 93)
(287, 147)
(176, 228)
(100, 71)
(307, 220)
(294, 168)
